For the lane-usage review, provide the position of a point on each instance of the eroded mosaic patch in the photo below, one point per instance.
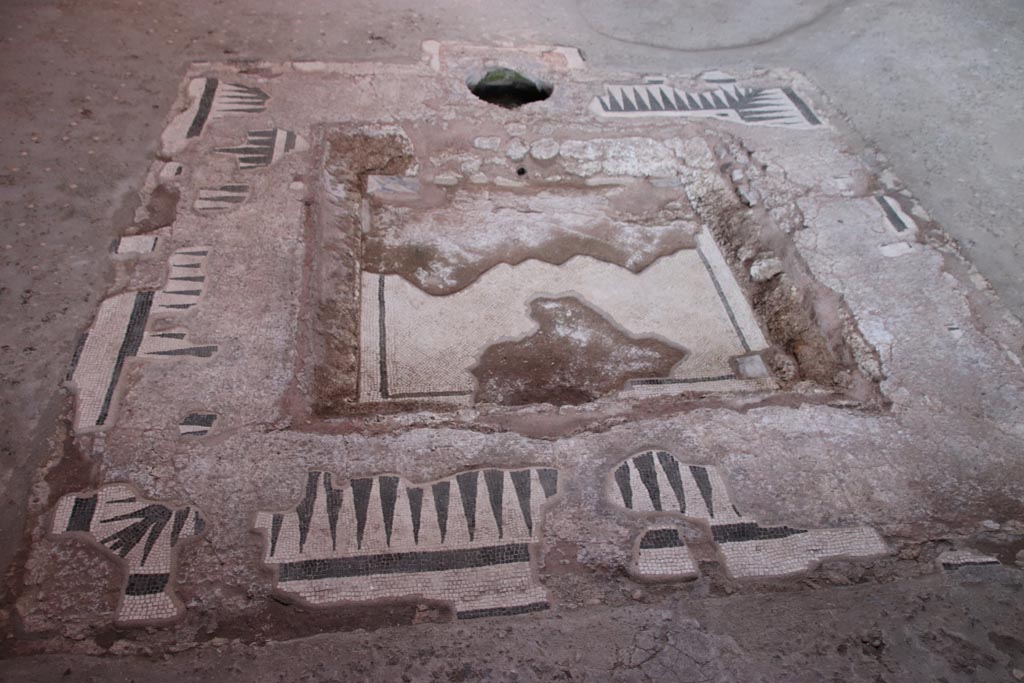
(119, 332)
(465, 540)
(657, 482)
(143, 535)
(197, 424)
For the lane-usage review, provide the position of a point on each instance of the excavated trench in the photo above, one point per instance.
(445, 276)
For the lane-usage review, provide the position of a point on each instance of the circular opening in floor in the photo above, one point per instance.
(508, 88)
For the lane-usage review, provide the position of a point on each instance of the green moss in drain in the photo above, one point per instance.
(509, 88)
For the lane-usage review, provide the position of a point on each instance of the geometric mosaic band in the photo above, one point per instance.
(657, 482)
(465, 540)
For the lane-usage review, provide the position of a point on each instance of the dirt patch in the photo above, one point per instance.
(276, 620)
(161, 209)
(576, 356)
(353, 155)
(73, 472)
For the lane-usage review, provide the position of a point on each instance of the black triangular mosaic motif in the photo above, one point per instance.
(467, 492)
(495, 480)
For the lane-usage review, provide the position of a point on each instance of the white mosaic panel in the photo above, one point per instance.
(135, 244)
(780, 556)
(431, 342)
(673, 561)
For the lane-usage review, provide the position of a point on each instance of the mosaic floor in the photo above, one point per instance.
(629, 249)
(399, 352)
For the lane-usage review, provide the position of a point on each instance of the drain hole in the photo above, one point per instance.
(509, 88)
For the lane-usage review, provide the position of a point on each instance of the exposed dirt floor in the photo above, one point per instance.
(916, 440)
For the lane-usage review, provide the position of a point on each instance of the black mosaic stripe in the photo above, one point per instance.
(197, 351)
(180, 517)
(503, 611)
(969, 563)
(275, 531)
(725, 302)
(199, 420)
(146, 584)
(751, 531)
(661, 538)
(403, 563)
(81, 514)
(548, 477)
(203, 111)
(382, 338)
(802, 106)
(428, 394)
(672, 380)
(76, 356)
(129, 347)
(891, 215)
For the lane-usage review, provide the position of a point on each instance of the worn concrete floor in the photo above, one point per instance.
(87, 88)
